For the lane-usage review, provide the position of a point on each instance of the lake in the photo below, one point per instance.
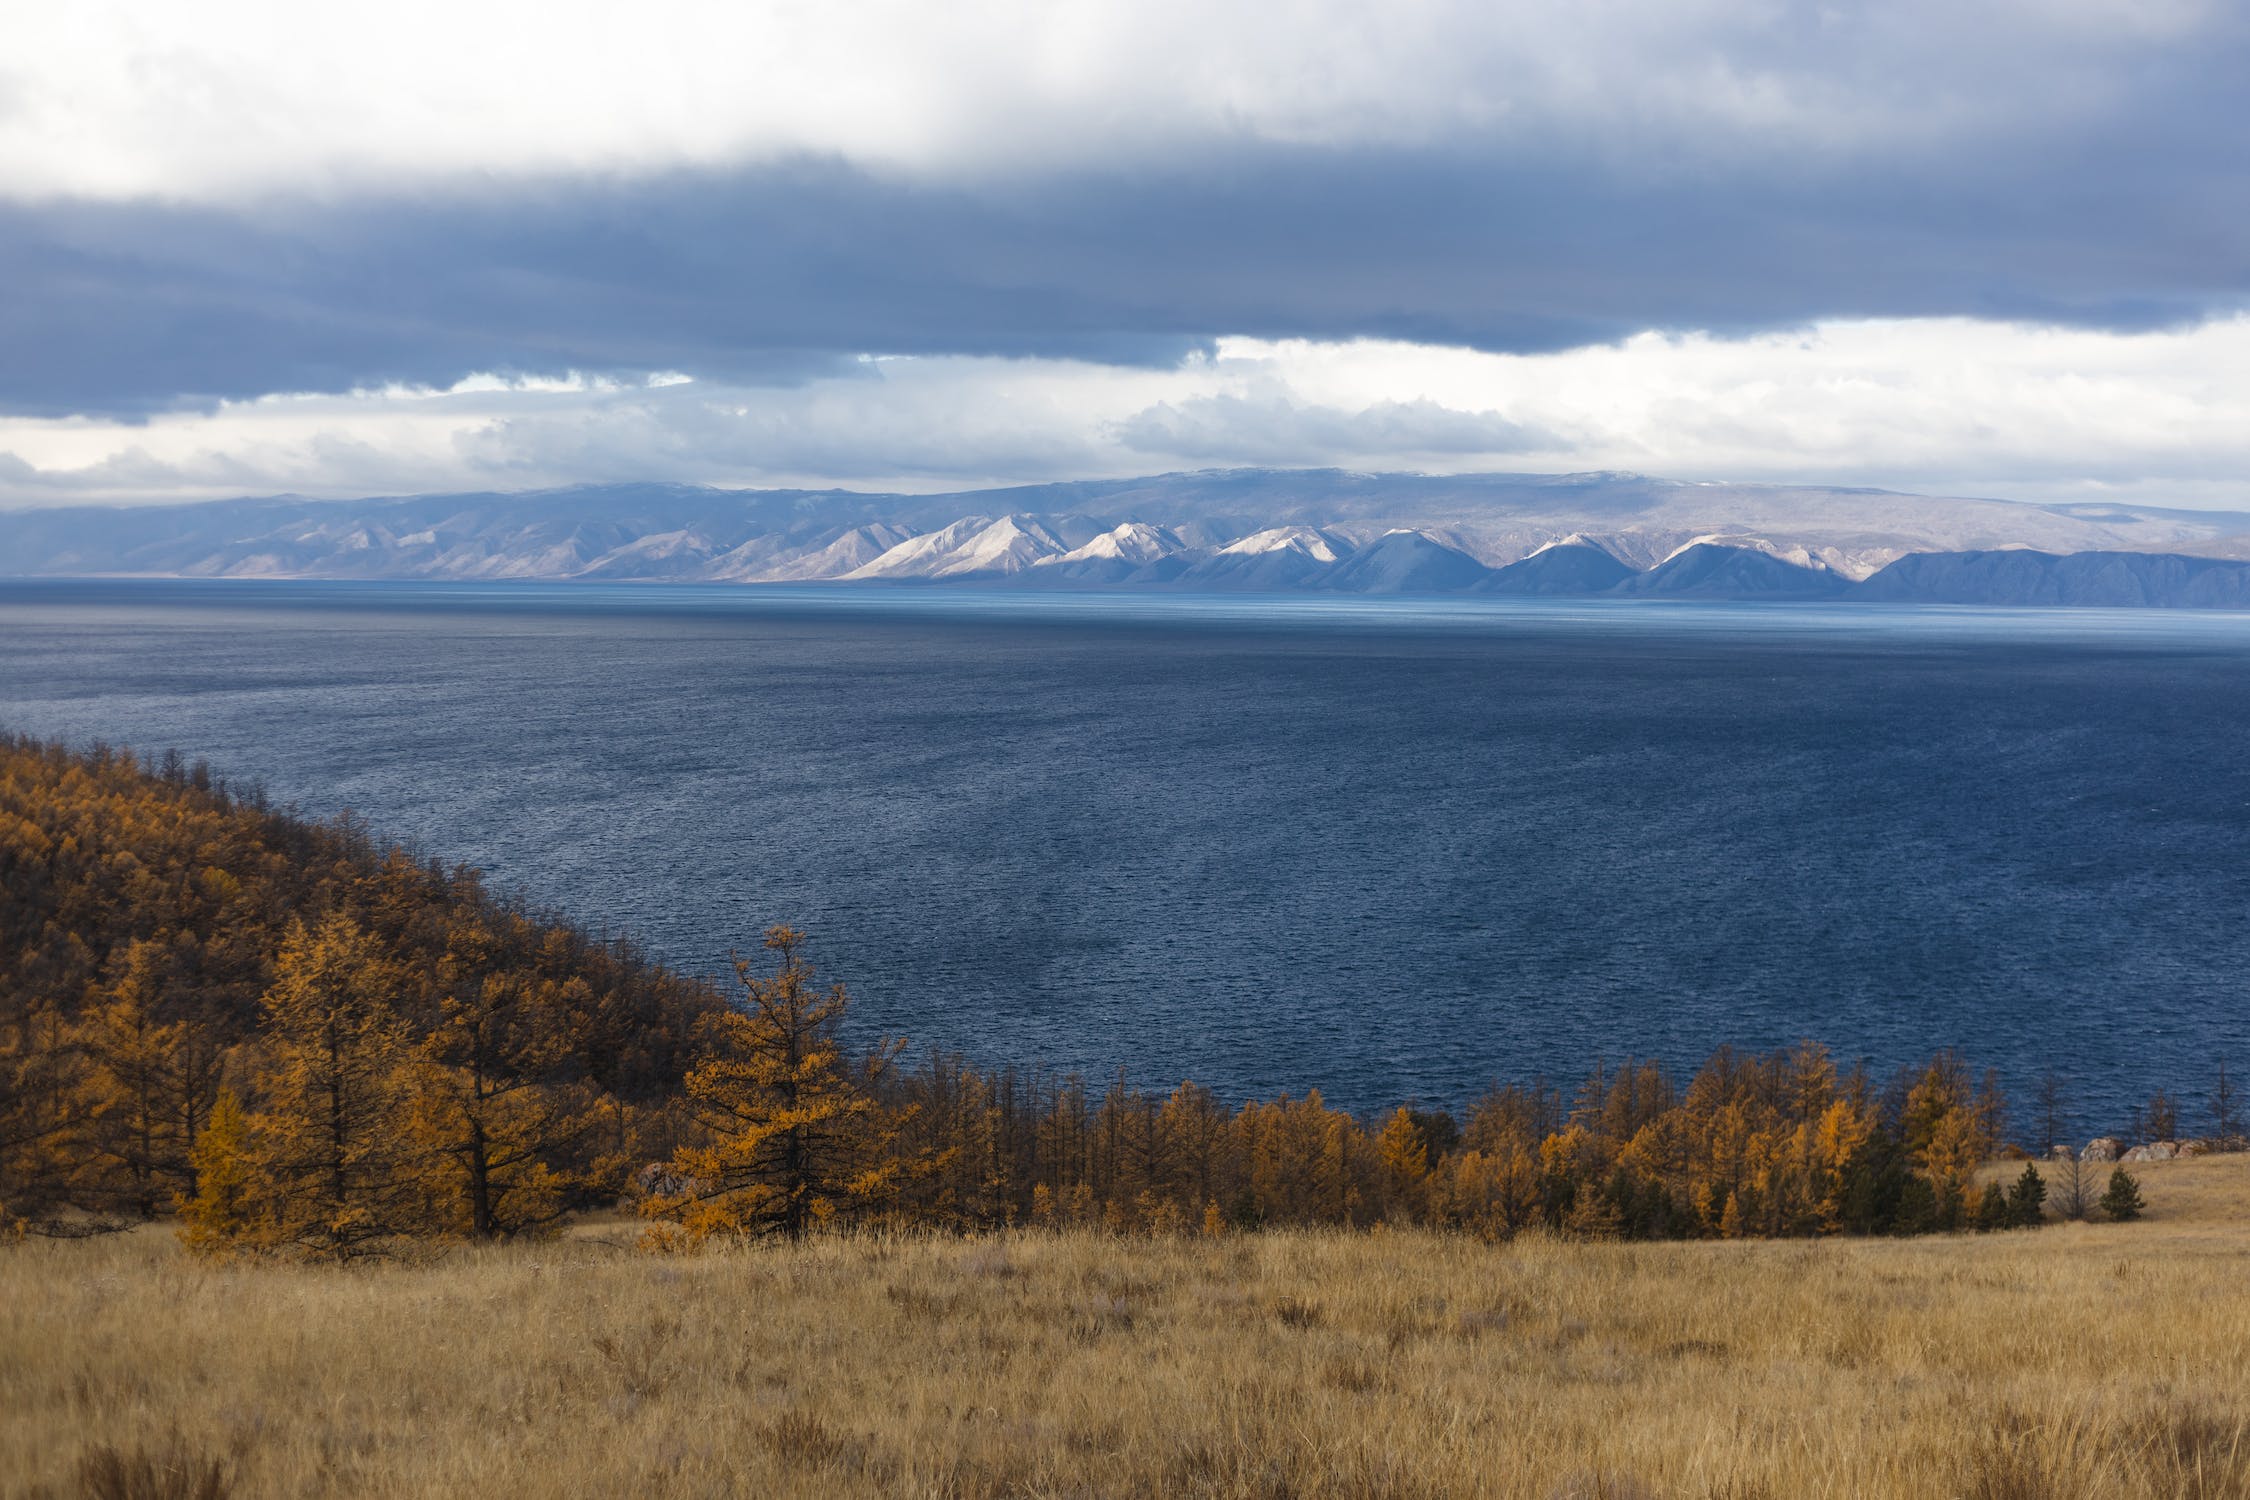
(1387, 848)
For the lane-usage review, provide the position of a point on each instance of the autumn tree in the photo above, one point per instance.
(1405, 1152)
(796, 1136)
(41, 1107)
(1949, 1132)
(142, 916)
(1195, 1126)
(491, 1108)
(954, 1117)
(1304, 1163)
(221, 1213)
(332, 1159)
(152, 1072)
(1837, 1144)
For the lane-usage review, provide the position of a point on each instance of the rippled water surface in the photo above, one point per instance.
(1390, 849)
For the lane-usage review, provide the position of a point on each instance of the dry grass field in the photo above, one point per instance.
(2078, 1361)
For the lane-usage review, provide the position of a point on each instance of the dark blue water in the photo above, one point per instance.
(1390, 850)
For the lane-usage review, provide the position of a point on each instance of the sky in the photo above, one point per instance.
(1991, 247)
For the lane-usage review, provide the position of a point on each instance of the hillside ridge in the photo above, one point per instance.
(1225, 531)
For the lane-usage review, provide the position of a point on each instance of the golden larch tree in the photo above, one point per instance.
(152, 1073)
(221, 1213)
(797, 1137)
(491, 1102)
(1405, 1152)
(331, 1157)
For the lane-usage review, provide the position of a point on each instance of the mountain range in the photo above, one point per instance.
(1230, 530)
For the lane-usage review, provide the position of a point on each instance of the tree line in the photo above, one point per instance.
(296, 1038)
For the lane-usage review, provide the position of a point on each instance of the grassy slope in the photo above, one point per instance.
(2091, 1360)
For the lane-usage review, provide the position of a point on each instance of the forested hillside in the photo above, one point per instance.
(299, 1038)
(418, 1055)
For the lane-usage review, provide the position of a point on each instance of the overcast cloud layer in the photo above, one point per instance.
(1955, 407)
(1997, 247)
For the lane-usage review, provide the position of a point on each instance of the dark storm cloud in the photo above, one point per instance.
(2137, 216)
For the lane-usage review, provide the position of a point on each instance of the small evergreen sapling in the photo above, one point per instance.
(2026, 1198)
(2122, 1203)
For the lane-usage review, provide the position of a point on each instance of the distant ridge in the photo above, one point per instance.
(1225, 530)
(1709, 570)
(2118, 580)
(1408, 562)
(1568, 567)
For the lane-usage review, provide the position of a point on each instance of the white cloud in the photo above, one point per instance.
(127, 97)
(1951, 406)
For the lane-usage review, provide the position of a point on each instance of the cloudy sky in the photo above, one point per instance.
(1975, 246)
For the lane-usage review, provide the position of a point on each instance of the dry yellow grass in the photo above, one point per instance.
(2093, 1361)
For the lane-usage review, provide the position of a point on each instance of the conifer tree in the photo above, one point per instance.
(1917, 1209)
(1941, 1090)
(1955, 1147)
(1200, 1141)
(220, 1213)
(41, 1105)
(332, 1158)
(489, 1108)
(2122, 1202)
(797, 1139)
(1405, 1154)
(1872, 1186)
(148, 1086)
(1730, 1219)
(2025, 1199)
(1843, 1131)
(1952, 1206)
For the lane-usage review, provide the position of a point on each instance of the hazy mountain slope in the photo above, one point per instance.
(1708, 570)
(822, 553)
(2119, 579)
(1568, 567)
(1406, 562)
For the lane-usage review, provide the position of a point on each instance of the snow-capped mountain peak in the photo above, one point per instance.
(1306, 540)
(1132, 541)
(974, 544)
